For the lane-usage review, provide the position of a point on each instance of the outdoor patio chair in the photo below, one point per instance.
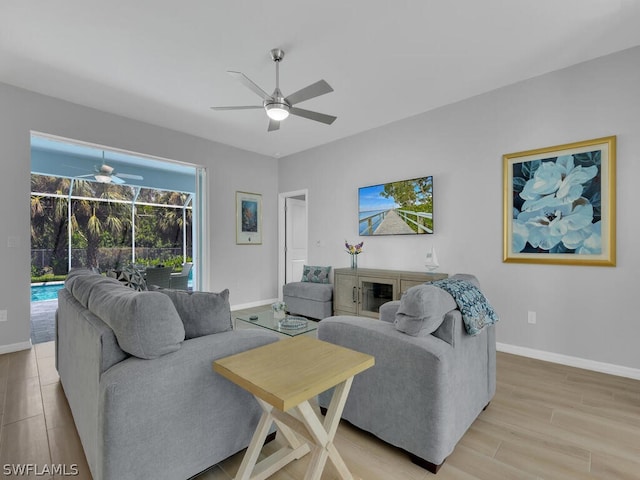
(158, 276)
(180, 280)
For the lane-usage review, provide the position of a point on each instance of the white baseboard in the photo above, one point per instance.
(577, 362)
(258, 303)
(16, 347)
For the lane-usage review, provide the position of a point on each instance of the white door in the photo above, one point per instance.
(296, 238)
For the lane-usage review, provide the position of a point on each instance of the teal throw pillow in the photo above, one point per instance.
(315, 274)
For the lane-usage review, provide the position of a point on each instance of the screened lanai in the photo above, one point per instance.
(79, 223)
(134, 208)
(102, 208)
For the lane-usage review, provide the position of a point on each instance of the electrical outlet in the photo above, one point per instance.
(531, 317)
(3, 315)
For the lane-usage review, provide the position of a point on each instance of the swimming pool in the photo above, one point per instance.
(47, 291)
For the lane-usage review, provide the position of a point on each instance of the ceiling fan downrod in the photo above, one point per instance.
(277, 55)
(277, 107)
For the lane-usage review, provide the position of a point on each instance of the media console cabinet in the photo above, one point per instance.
(361, 291)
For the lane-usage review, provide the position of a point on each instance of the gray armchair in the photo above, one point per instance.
(426, 388)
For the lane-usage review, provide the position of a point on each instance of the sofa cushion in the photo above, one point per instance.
(320, 292)
(202, 313)
(422, 310)
(315, 274)
(80, 283)
(146, 324)
(75, 273)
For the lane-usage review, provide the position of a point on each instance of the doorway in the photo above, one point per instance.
(293, 211)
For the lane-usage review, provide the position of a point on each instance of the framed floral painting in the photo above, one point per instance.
(560, 204)
(248, 218)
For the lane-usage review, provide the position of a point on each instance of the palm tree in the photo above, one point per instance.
(171, 221)
(93, 221)
(102, 226)
(48, 218)
(160, 226)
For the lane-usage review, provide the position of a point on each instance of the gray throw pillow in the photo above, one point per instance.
(146, 324)
(202, 313)
(422, 310)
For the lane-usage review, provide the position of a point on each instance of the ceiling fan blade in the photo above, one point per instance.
(314, 90)
(131, 176)
(318, 117)
(75, 167)
(238, 108)
(273, 125)
(242, 78)
(116, 179)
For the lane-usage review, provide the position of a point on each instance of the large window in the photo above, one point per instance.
(78, 223)
(104, 218)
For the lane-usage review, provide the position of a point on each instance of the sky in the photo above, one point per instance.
(369, 199)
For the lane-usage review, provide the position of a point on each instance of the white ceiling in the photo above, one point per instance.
(164, 61)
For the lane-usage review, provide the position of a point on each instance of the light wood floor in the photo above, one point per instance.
(546, 421)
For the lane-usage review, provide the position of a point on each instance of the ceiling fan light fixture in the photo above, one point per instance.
(277, 111)
(102, 178)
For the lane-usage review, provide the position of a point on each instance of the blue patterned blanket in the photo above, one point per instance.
(476, 311)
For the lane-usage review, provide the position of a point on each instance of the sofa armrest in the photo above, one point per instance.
(406, 397)
(388, 311)
(417, 366)
(175, 403)
(422, 393)
(85, 348)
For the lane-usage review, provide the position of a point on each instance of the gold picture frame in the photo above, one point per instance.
(248, 218)
(560, 204)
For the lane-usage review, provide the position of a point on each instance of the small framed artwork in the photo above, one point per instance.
(560, 204)
(248, 218)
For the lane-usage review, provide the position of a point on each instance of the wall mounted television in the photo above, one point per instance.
(396, 208)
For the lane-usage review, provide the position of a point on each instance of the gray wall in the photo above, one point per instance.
(583, 312)
(248, 271)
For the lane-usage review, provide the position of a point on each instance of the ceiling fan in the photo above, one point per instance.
(107, 174)
(277, 106)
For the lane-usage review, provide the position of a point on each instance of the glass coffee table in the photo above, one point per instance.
(293, 326)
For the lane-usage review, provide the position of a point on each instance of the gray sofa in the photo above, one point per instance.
(428, 385)
(145, 400)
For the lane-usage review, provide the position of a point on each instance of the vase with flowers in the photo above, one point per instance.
(279, 310)
(354, 251)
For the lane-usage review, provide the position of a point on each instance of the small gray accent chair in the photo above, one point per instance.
(313, 300)
(426, 388)
(136, 368)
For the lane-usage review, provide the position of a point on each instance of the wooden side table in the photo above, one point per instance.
(283, 377)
